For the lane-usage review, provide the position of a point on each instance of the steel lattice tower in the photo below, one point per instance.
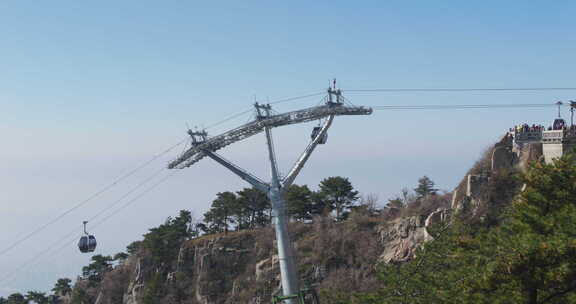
(203, 146)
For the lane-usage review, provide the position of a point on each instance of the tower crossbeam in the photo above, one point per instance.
(197, 151)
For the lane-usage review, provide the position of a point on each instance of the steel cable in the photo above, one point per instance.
(456, 107)
(90, 198)
(67, 240)
(459, 90)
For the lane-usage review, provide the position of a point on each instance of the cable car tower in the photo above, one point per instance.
(204, 146)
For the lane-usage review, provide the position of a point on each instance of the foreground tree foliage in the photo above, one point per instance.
(16, 298)
(163, 242)
(425, 187)
(253, 207)
(95, 270)
(299, 200)
(338, 194)
(62, 287)
(246, 209)
(37, 297)
(529, 258)
(540, 265)
(221, 215)
(250, 208)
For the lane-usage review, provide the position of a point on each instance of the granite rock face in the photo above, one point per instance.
(401, 238)
(242, 267)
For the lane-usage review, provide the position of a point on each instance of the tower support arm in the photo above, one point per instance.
(272, 155)
(215, 143)
(306, 154)
(251, 179)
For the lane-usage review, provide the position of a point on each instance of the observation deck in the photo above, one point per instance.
(554, 142)
(545, 136)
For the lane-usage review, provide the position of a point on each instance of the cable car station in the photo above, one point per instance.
(556, 140)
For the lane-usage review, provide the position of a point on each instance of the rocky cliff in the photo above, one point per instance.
(241, 267)
(334, 257)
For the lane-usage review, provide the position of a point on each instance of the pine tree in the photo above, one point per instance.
(338, 194)
(37, 297)
(535, 252)
(220, 214)
(529, 258)
(164, 241)
(425, 187)
(299, 202)
(16, 298)
(257, 206)
(95, 270)
(62, 287)
(395, 203)
(120, 257)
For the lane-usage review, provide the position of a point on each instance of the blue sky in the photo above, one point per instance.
(89, 91)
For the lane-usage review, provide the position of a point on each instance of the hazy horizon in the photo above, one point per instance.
(91, 91)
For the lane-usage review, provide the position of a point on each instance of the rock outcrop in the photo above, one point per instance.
(241, 267)
(401, 238)
(476, 193)
(335, 257)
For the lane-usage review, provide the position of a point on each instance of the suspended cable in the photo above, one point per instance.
(144, 182)
(283, 100)
(123, 177)
(459, 90)
(296, 98)
(129, 202)
(29, 262)
(138, 186)
(228, 119)
(383, 107)
(90, 198)
(67, 238)
(455, 107)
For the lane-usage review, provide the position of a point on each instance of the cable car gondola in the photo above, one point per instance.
(87, 242)
(558, 124)
(315, 132)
